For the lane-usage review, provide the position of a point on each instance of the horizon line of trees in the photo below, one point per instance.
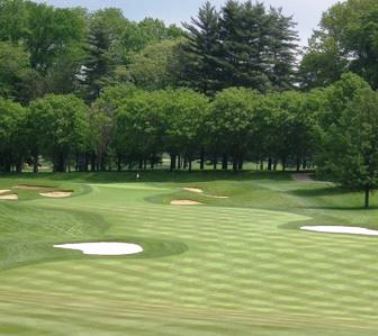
(127, 127)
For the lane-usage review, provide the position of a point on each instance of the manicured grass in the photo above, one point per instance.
(236, 266)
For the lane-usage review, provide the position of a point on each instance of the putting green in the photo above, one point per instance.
(237, 266)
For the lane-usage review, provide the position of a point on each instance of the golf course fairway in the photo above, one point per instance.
(231, 265)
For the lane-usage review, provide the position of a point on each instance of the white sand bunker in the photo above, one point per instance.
(104, 249)
(194, 190)
(9, 197)
(57, 194)
(342, 230)
(185, 202)
(4, 191)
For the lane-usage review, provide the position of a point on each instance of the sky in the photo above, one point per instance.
(306, 13)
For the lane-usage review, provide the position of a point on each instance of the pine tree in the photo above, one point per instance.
(105, 30)
(283, 46)
(201, 70)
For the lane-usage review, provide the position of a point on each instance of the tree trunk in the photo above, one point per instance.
(270, 164)
(235, 164)
(190, 164)
(240, 164)
(35, 164)
(173, 162)
(93, 162)
(284, 164)
(60, 163)
(202, 164)
(225, 162)
(304, 164)
(19, 166)
(367, 197)
(298, 164)
(215, 162)
(262, 165)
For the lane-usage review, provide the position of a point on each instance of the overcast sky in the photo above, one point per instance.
(307, 13)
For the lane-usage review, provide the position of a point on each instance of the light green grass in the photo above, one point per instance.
(237, 266)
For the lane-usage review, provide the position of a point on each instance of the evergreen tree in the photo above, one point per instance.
(283, 50)
(242, 46)
(201, 52)
(105, 29)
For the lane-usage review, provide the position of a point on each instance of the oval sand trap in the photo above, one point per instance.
(342, 230)
(185, 202)
(104, 249)
(194, 190)
(9, 197)
(56, 194)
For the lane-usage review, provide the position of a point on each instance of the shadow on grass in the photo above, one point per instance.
(342, 203)
(320, 192)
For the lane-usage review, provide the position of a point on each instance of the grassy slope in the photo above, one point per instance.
(237, 266)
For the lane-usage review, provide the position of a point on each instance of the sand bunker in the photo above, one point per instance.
(57, 194)
(194, 190)
(5, 191)
(185, 202)
(342, 230)
(9, 197)
(104, 249)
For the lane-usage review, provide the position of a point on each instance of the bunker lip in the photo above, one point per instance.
(341, 230)
(33, 187)
(103, 248)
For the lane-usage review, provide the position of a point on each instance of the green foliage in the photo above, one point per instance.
(51, 32)
(231, 122)
(347, 40)
(155, 67)
(199, 53)
(349, 147)
(102, 120)
(59, 126)
(105, 28)
(140, 125)
(14, 70)
(186, 112)
(13, 144)
(223, 52)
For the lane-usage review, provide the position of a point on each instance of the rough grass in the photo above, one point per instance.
(237, 266)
